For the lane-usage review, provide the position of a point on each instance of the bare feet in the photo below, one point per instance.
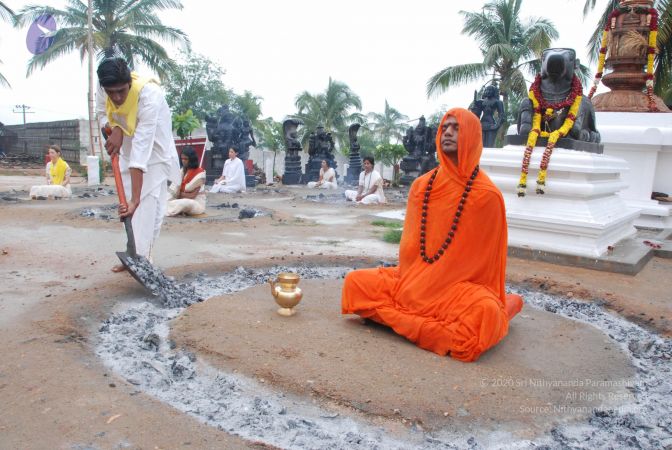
(513, 305)
(119, 268)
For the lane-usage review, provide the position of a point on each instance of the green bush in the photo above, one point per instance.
(392, 236)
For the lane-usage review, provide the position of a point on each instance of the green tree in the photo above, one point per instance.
(270, 134)
(663, 59)
(390, 155)
(510, 47)
(184, 124)
(124, 28)
(5, 14)
(196, 83)
(333, 109)
(249, 105)
(389, 125)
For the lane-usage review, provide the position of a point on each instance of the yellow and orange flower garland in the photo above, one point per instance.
(652, 20)
(573, 101)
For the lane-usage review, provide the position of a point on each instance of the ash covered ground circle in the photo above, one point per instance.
(135, 342)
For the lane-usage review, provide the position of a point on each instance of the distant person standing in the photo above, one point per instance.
(135, 111)
(370, 189)
(58, 177)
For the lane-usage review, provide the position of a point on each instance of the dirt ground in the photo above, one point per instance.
(58, 289)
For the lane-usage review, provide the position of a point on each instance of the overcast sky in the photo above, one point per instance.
(277, 49)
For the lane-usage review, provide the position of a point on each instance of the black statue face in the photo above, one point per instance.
(558, 63)
(490, 92)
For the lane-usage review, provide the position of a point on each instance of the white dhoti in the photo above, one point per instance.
(226, 188)
(148, 216)
(50, 191)
(368, 200)
(324, 185)
(190, 207)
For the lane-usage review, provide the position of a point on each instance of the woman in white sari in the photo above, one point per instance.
(327, 178)
(233, 175)
(189, 199)
(58, 178)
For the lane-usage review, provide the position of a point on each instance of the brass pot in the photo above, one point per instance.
(286, 292)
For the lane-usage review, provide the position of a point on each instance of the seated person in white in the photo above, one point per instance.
(370, 188)
(327, 178)
(189, 197)
(233, 175)
(58, 177)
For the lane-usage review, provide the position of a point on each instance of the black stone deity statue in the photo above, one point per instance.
(421, 147)
(225, 130)
(490, 109)
(320, 147)
(292, 173)
(355, 161)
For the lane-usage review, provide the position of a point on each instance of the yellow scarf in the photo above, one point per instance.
(126, 115)
(57, 171)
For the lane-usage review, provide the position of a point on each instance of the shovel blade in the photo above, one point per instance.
(132, 268)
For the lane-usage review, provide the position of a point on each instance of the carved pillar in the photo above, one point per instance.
(627, 57)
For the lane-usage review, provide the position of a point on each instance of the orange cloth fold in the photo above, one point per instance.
(456, 305)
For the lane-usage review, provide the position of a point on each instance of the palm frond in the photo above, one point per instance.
(454, 76)
(6, 14)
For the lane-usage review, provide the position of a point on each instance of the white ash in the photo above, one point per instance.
(133, 342)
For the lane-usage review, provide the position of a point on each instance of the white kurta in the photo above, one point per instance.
(328, 180)
(152, 150)
(52, 190)
(367, 181)
(234, 177)
(189, 206)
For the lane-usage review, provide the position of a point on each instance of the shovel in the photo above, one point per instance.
(130, 259)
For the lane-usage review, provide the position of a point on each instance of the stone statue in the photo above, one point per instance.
(292, 173)
(557, 73)
(355, 161)
(421, 147)
(320, 147)
(227, 129)
(490, 109)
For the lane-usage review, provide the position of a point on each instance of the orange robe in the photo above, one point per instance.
(457, 304)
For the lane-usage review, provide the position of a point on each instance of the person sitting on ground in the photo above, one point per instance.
(58, 177)
(233, 175)
(327, 178)
(370, 188)
(189, 199)
(447, 295)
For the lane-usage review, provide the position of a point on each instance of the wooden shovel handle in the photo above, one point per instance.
(118, 181)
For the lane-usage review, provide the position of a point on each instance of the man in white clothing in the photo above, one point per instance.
(327, 178)
(370, 188)
(233, 175)
(135, 113)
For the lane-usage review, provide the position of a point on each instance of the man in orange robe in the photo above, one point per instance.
(447, 294)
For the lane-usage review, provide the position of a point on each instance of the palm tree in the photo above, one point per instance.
(510, 47)
(663, 61)
(124, 28)
(5, 14)
(332, 109)
(388, 125)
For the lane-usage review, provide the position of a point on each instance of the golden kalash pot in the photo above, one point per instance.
(286, 292)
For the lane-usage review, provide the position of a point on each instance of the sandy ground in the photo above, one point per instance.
(58, 289)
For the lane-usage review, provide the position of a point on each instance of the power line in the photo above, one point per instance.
(23, 111)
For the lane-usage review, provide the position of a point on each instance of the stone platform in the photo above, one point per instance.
(644, 140)
(580, 214)
(362, 365)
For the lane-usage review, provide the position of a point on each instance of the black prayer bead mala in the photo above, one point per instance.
(456, 219)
